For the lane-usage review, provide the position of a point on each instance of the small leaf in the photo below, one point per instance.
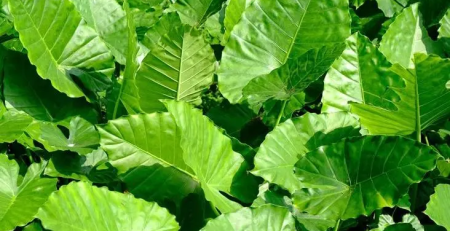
(437, 207)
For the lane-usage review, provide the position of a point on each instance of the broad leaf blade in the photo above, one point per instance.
(357, 176)
(109, 20)
(99, 209)
(361, 74)
(414, 38)
(195, 12)
(437, 207)
(179, 68)
(13, 124)
(208, 152)
(289, 29)
(266, 217)
(75, 46)
(19, 202)
(291, 140)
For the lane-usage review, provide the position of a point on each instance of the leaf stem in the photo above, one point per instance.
(426, 140)
(281, 113)
(213, 208)
(336, 227)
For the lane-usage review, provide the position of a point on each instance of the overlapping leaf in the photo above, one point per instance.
(360, 75)
(271, 32)
(179, 68)
(76, 48)
(424, 100)
(208, 152)
(359, 175)
(21, 197)
(110, 22)
(291, 140)
(195, 12)
(437, 207)
(405, 37)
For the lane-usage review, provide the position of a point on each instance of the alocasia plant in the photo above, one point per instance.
(268, 115)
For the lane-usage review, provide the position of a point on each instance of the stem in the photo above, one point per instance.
(336, 227)
(426, 140)
(418, 137)
(213, 208)
(281, 113)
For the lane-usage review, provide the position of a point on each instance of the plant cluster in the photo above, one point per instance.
(222, 115)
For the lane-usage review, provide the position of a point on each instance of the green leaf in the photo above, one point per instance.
(143, 140)
(195, 12)
(233, 14)
(444, 29)
(280, 29)
(291, 140)
(231, 117)
(75, 46)
(360, 75)
(179, 68)
(21, 197)
(386, 222)
(277, 111)
(34, 226)
(12, 125)
(99, 209)
(25, 91)
(83, 138)
(161, 28)
(360, 175)
(400, 227)
(424, 100)
(108, 19)
(391, 7)
(405, 37)
(208, 152)
(128, 92)
(437, 207)
(266, 217)
(293, 77)
(90, 167)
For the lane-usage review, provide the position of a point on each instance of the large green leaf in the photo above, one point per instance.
(25, 91)
(127, 93)
(109, 20)
(233, 14)
(391, 7)
(21, 197)
(195, 12)
(208, 152)
(80, 206)
(424, 101)
(143, 140)
(180, 68)
(146, 148)
(279, 29)
(405, 37)
(266, 217)
(359, 175)
(289, 141)
(437, 208)
(293, 77)
(361, 74)
(59, 42)
(12, 125)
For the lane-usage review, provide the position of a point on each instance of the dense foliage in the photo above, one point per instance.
(222, 115)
